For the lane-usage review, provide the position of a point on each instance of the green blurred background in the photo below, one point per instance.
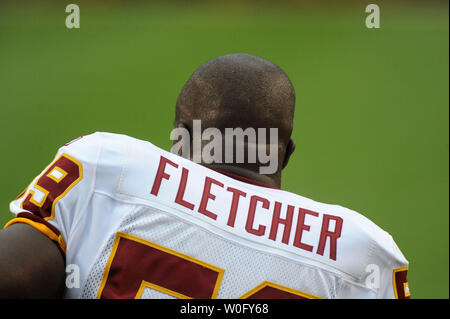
(371, 122)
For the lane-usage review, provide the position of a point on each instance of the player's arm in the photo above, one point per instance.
(31, 265)
(33, 244)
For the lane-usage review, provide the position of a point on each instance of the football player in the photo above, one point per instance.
(127, 219)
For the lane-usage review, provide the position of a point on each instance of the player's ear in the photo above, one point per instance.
(290, 148)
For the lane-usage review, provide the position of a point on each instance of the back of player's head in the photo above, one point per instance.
(239, 90)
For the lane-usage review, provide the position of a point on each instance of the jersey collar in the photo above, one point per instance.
(242, 179)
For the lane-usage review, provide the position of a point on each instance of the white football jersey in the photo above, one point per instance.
(135, 221)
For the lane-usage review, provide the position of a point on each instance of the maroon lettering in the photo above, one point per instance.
(301, 227)
(276, 221)
(333, 235)
(234, 204)
(181, 189)
(251, 215)
(160, 174)
(207, 195)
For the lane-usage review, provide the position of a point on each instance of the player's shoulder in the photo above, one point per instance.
(386, 251)
(383, 254)
(105, 157)
(102, 139)
(385, 266)
(87, 148)
(383, 250)
(383, 246)
(372, 243)
(102, 153)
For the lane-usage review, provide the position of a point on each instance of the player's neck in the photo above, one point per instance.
(270, 180)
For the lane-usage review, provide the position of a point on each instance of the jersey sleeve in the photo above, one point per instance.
(55, 198)
(387, 269)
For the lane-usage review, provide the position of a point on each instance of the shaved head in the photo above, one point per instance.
(239, 90)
